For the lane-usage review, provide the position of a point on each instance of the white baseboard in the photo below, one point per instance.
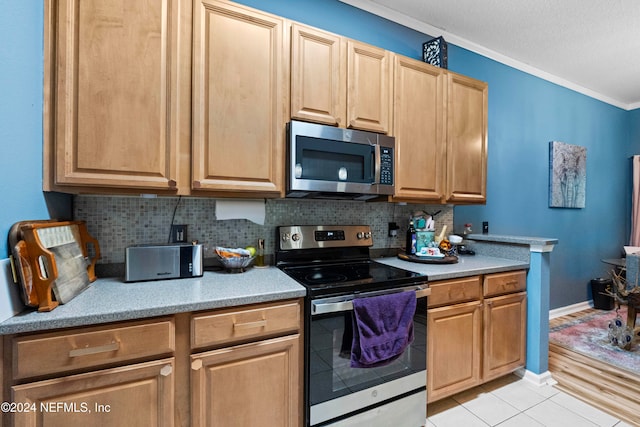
(562, 311)
(538, 380)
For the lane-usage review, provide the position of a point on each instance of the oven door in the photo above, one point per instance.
(338, 393)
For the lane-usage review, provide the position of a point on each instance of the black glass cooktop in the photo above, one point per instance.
(351, 277)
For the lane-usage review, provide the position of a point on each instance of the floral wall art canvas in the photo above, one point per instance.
(567, 175)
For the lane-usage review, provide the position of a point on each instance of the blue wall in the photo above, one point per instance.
(634, 132)
(525, 113)
(21, 46)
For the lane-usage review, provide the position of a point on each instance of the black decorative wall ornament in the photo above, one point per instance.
(434, 52)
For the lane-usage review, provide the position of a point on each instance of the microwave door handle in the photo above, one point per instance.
(377, 163)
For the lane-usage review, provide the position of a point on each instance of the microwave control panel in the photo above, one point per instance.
(386, 166)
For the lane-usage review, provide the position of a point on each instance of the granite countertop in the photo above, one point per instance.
(111, 300)
(518, 240)
(467, 265)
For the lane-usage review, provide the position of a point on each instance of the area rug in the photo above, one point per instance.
(587, 334)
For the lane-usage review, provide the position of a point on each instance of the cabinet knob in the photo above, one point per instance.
(166, 370)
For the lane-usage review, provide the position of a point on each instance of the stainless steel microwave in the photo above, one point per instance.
(335, 163)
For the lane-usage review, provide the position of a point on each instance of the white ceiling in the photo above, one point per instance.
(589, 46)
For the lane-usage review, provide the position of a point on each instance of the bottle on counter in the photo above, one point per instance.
(260, 254)
(410, 244)
(467, 229)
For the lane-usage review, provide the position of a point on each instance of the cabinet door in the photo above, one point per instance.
(466, 139)
(240, 67)
(318, 76)
(454, 345)
(418, 126)
(135, 395)
(368, 87)
(505, 334)
(117, 103)
(255, 384)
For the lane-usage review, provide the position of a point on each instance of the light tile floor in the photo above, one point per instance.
(513, 402)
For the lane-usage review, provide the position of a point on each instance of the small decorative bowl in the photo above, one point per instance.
(455, 239)
(236, 264)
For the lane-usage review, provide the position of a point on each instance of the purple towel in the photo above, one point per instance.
(382, 328)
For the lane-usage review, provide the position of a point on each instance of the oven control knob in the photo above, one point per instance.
(360, 235)
(295, 237)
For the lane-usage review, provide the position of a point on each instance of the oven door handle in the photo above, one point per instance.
(337, 304)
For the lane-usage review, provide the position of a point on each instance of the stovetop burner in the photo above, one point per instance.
(321, 277)
(363, 276)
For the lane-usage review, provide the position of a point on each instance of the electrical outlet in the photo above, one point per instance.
(178, 233)
(393, 229)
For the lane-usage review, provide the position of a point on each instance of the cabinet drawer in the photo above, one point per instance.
(454, 291)
(75, 349)
(240, 324)
(505, 283)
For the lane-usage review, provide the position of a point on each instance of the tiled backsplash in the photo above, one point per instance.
(118, 222)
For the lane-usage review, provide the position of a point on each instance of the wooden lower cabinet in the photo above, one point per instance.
(474, 336)
(505, 332)
(134, 395)
(237, 366)
(248, 385)
(454, 344)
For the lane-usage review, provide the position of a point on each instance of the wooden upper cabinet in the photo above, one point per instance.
(117, 94)
(466, 139)
(240, 70)
(369, 87)
(418, 123)
(340, 82)
(318, 76)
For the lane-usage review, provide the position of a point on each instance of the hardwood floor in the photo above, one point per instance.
(597, 383)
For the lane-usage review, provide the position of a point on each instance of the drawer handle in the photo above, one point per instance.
(512, 283)
(77, 352)
(250, 325)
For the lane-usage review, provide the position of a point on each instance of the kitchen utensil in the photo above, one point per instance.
(442, 234)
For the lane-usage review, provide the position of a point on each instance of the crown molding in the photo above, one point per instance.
(422, 27)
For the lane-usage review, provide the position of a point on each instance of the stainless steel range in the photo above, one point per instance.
(333, 263)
